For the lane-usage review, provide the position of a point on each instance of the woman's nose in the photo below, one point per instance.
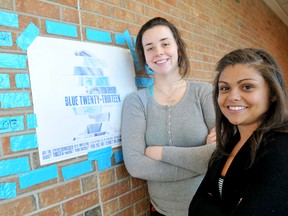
(158, 51)
(235, 95)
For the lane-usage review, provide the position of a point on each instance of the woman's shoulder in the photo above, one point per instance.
(200, 88)
(139, 95)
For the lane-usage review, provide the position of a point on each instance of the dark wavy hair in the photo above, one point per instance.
(183, 61)
(277, 115)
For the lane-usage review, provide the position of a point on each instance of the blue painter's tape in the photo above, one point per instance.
(38, 176)
(13, 61)
(6, 39)
(8, 190)
(11, 124)
(22, 81)
(119, 39)
(143, 81)
(9, 19)
(4, 81)
(148, 70)
(61, 29)
(75, 170)
(102, 156)
(132, 50)
(118, 156)
(14, 166)
(95, 155)
(100, 36)
(14, 100)
(20, 143)
(27, 36)
(31, 121)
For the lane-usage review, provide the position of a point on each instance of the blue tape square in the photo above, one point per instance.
(31, 121)
(27, 36)
(11, 124)
(13, 61)
(6, 39)
(8, 190)
(14, 166)
(100, 36)
(14, 100)
(4, 81)
(22, 81)
(38, 176)
(75, 170)
(119, 39)
(24, 142)
(9, 19)
(118, 156)
(61, 29)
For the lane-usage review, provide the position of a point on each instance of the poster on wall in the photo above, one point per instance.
(78, 90)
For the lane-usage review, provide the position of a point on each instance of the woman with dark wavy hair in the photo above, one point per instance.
(165, 127)
(248, 171)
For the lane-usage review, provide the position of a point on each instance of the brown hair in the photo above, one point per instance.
(277, 115)
(183, 61)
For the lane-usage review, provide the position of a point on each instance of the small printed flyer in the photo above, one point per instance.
(78, 90)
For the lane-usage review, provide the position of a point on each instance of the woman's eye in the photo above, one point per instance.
(149, 49)
(247, 87)
(223, 88)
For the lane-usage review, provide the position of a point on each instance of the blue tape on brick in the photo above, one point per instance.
(61, 29)
(11, 124)
(118, 156)
(100, 36)
(14, 166)
(13, 61)
(20, 143)
(119, 39)
(8, 190)
(31, 121)
(14, 100)
(102, 156)
(75, 170)
(132, 49)
(38, 176)
(6, 39)
(22, 81)
(9, 19)
(4, 81)
(143, 81)
(27, 36)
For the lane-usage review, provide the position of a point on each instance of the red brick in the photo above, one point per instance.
(115, 190)
(60, 193)
(110, 207)
(81, 203)
(18, 207)
(6, 4)
(38, 8)
(107, 177)
(121, 172)
(49, 212)
(89, 183)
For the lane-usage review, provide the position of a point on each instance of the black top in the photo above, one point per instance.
(259, 190)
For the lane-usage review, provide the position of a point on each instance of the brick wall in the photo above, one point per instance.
(210, 28)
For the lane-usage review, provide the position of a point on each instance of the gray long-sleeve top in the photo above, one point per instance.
(182, 130)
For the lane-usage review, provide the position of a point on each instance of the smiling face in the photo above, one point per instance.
(243, 96)
(160, 50)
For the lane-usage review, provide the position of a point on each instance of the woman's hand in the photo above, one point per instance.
(211, 138)
(154, 152)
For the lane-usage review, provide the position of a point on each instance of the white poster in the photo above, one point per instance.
(78, 89)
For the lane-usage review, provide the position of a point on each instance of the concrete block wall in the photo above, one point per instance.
(210, 28)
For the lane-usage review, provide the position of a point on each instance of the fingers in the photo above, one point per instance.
(211, 138)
